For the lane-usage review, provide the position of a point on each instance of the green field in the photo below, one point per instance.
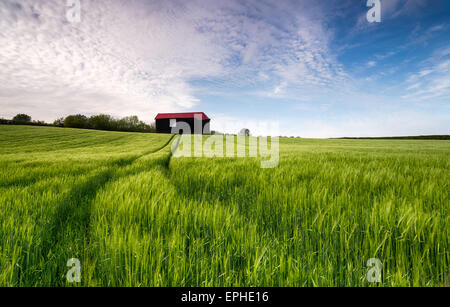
(135, 216)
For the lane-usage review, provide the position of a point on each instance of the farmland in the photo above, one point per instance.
(135, 216)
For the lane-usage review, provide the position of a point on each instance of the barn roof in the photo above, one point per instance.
(182, 115)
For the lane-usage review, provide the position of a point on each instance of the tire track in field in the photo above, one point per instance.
(22, 182)
(159, 164)
(67, 234)
(172, 151)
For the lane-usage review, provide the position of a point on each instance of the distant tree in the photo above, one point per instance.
(129, 123)
(105, 122)
(244, 132)
(59, 122)
(24, 118)
(152, 128)
(102, 122)
(76, 121)
(39, 123)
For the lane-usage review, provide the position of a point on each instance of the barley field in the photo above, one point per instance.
(136, 216)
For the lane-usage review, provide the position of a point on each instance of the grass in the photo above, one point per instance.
(135, 216)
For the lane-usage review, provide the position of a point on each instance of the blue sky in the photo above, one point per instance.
(309, 68)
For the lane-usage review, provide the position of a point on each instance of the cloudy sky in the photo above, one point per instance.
(316, 68)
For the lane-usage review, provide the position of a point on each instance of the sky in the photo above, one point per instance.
(292, 68)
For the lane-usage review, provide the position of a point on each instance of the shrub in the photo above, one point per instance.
(23, 118)
(59, 122)
(105, 122)
(76, 121)
(102, 122)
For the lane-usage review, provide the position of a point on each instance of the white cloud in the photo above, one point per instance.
(123, 58)
(280, 88)
(371, 64)
(144, 57)
(430, 83)
(136, 57)
(423, 73)
(414, 86)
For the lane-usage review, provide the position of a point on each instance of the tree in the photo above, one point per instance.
(105, 122)
(129, 123)
(23, 118)
(151, 128)
(76, 121)
(59, 122)
(101, 122)
(244, 132)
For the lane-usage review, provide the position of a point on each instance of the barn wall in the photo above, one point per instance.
(163, 125)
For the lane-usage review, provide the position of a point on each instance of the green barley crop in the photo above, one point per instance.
(136, 216)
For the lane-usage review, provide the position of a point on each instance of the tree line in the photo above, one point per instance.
(96, 122)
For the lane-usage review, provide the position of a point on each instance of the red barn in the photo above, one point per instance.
(178, 123)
